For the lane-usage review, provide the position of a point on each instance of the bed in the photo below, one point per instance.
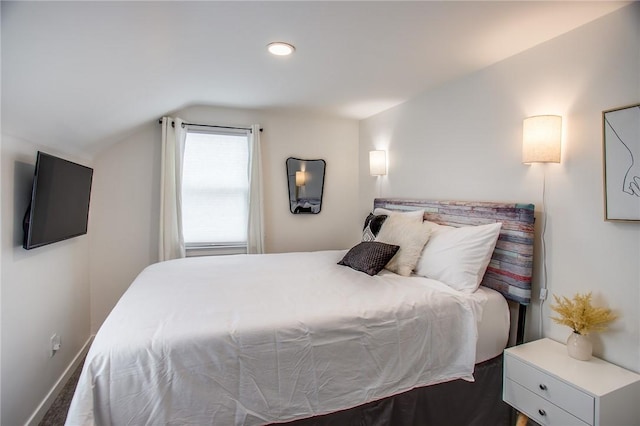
(297, 338)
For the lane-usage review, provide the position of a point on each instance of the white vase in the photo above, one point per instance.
(579, 346)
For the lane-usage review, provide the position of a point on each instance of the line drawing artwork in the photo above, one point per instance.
(622, 163)
(630, 185)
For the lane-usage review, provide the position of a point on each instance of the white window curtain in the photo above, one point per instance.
(171, 241)
(255, 230)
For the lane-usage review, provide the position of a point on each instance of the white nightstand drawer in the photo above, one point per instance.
(567, 397)
(538, 408)
(595, 391)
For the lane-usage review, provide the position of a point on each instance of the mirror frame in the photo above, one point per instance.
(291, 180)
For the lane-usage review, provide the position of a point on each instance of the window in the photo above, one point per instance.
(215, 191)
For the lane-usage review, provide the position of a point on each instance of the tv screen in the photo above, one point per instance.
(59, 207)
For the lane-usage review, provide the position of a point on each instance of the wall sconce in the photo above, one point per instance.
(541, 140)
(541, 137)
(301, 178)
(377, 163)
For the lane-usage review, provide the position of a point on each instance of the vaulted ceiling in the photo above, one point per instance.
(78, 75)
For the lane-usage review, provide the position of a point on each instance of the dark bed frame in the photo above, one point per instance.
(459, 402)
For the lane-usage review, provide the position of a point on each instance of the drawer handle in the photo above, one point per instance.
(542, 412)
(542, 387)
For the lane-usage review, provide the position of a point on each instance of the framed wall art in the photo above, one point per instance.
(621, 161)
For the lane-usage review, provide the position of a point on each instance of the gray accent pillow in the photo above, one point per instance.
(369, 257)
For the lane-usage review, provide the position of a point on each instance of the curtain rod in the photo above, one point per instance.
(173, 124)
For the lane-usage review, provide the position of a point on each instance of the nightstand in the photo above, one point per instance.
(551, 388)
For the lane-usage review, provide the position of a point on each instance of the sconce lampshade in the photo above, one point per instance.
(300, 178)
(377, 163)
(541, 136)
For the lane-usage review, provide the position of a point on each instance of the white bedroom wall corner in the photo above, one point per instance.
(124, 218)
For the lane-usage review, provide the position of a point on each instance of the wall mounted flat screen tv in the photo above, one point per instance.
(59, 207)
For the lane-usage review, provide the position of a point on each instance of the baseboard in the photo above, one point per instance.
(46, 403)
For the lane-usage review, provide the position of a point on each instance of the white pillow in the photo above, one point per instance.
(411, 235)
(459, 256)
(417, 215)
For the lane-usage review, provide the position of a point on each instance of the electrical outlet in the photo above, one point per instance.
(543, 294)
(55, 345)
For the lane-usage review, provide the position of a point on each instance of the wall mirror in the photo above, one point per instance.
(306, 183)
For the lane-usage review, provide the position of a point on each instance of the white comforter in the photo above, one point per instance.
(255, 339)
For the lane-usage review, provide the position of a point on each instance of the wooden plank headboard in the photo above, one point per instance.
(510, 268)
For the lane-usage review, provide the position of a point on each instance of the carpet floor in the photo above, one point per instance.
(57, 414)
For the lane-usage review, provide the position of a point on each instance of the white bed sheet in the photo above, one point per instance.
(257, 339)
(493, 326)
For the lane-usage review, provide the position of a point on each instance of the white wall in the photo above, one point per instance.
(44, 291)
(123, 226)
(463, 141)
(124, 212)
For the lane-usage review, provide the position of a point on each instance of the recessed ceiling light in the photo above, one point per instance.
(280, 48)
